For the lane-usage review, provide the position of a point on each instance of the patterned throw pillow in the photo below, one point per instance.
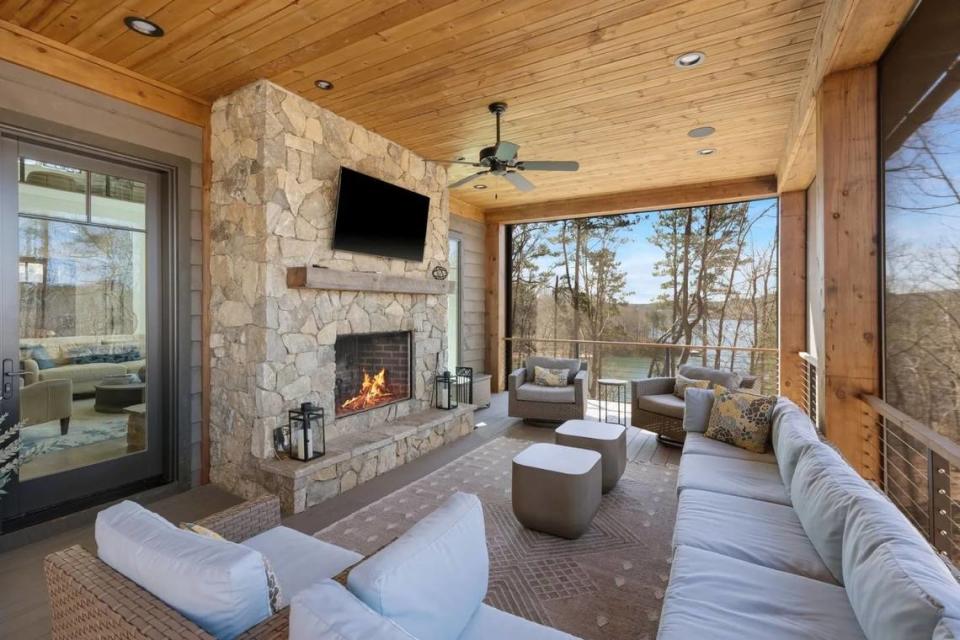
(273, 585)
(682, 382)
(550, 377)
(741, 419)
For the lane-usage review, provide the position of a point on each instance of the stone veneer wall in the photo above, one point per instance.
(276, 161)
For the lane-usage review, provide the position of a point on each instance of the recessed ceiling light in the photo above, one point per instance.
(326, 85)
(143, 26)
(481, 187)
(706, 152)
(701, 132)
(690, 59)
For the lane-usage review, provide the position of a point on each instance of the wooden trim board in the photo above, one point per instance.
(792, 292)
(336, 280)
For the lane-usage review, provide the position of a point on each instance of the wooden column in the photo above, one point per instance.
(495, 304)
(792, 290)
(848, 171)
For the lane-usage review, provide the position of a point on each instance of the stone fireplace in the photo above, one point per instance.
(372, 370)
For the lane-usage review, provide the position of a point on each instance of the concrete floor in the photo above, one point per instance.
(23, 597)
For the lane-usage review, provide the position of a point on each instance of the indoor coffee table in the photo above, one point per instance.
(114, 397)
(609, 440)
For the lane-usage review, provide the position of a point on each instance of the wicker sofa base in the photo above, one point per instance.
(669, 430)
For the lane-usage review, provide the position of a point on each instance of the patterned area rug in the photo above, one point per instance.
(607, 584)
(86, 427)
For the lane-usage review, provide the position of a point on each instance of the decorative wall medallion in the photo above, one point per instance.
(439, 273)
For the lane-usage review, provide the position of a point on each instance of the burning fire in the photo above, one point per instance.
(373, 392)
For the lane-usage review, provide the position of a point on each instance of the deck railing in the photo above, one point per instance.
(920, 467)
(634, 360)
(808, 384)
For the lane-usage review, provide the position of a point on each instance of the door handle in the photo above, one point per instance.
(6, 388)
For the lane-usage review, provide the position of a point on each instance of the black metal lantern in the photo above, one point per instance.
(303, 445)
(445, 391)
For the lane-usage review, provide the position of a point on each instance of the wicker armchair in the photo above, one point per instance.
(655, 408)
(538, 404)
(89, 600)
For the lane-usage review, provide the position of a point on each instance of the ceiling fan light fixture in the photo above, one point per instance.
(324, 85)
(690, 59)
(707, 151)
(143, 26)
(701, 132)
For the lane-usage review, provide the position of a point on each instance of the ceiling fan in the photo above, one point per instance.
(501, 160)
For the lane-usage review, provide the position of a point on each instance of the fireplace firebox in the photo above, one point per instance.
(372, 370)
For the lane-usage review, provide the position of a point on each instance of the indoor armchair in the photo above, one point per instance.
(537, 403)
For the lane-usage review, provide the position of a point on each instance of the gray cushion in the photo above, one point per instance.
(792, 434)
(727, 379)
(720, 598)
(947, 629)
(572, 365)
(696, 412)
(489, 623)
(745, 478)
(759, 532)
(823, 490)
(535, 393)
(698, 444)
(665, 404)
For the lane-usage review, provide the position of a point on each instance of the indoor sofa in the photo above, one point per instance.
(83, 360)
(793, 544)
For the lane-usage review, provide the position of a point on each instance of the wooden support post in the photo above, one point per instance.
(496, 304)
(205, 318)
(792, 292)
(847, 167)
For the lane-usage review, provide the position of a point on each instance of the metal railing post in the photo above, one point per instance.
(938, 480)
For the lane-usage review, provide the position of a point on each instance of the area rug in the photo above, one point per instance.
(607, 584)
(86, 427)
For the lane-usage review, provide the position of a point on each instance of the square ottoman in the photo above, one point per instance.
(609, 440)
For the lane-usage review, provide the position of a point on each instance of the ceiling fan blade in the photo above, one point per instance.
(463, 181)
(548, 165)
(505, 151)
(518, 181)
(471, 164)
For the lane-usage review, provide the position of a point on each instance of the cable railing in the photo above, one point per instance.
(921, 475)
(636, 360)
(808, 384)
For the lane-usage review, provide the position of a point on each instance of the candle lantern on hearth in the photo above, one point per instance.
(445, 391)
(307, 437)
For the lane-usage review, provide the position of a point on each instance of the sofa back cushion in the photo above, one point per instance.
(431, 580)
(823, 490)
(897, 585)
(327, 610)
(697, 405)
(572, 365)
(728, 379)
(219, 585)
(792, 434)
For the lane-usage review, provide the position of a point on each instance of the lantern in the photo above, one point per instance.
(303, 445)
(445, 391)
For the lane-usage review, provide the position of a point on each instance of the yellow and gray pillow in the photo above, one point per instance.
(550, 377)
(682, 383)
(741, 419)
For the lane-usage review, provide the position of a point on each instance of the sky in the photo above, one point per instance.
(638, 255)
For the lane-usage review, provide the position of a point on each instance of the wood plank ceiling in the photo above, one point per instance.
(589, 81)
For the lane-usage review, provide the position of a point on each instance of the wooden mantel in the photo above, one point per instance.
(336, 280)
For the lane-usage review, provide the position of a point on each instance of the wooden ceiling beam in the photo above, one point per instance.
(33, 51)
(690, 195)
(465, 210)
(851, 33)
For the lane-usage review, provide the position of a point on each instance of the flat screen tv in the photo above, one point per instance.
(379, 218)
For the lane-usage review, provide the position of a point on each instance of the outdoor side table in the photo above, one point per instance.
(613, 390)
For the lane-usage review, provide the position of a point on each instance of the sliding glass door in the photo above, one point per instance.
(80, 322)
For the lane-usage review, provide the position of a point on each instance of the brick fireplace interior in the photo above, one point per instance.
(373, 370)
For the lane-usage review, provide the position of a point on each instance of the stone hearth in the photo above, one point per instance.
(276, 162)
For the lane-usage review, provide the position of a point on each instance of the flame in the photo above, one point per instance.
(373, 392)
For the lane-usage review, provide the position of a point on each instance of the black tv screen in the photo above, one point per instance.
(379, 218)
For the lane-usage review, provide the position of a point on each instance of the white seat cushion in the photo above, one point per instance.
(431, 580)
(535, 393)
(713, 596)
(763, 533)
(219, 585)
(947, 629)
(299, 560)
(744, 478)
(327, 611)
(699, 444)
(664, 404)
(490, 624)
(792, 434)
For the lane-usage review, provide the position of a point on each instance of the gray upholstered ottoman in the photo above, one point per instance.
(609, 440)
(556, 489)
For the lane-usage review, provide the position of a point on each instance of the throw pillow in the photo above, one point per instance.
(550, 377)
(681, 383)
(741, 419)
(273, 585)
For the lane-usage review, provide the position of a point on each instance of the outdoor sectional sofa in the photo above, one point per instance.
(793, 544)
